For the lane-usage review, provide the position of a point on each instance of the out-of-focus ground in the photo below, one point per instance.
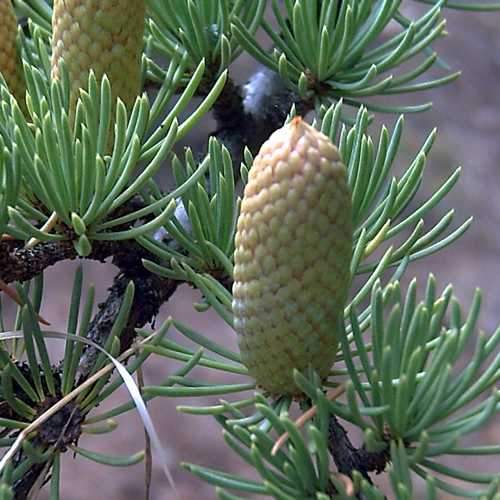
(467, 114)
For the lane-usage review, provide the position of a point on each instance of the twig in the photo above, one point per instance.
(18, 263)
(32, 476)
(12, 294)
(347, 483)
(64, 401)
(35, 490)
(151, 292)
(22, 264)
(348, 458)
(246, 116)
(306, 416)
(46, 228)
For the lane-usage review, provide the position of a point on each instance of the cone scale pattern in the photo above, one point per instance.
(103, 35)
(10, 66)
(292, 253)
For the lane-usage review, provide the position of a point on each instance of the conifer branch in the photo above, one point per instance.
(348, 458)
(245, 117)
(78, 180)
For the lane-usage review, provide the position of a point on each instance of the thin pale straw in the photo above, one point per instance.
(305, 417)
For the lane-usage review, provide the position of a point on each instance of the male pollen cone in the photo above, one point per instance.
(10, 64)
(292, 253)
(103, 35)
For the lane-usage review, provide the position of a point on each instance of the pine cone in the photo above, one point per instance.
(293, 250)
(10, 65)
(105, 36)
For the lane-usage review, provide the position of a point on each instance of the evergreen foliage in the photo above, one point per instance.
(78, 179)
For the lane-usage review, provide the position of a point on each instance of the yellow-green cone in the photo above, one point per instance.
(9, 60)
(292, 256)
(103, 35)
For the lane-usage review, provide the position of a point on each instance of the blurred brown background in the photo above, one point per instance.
(467, 114)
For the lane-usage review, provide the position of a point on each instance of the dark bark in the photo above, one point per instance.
(18, 263)
(150, 293)
(348, 458)
(23, 487)
(248, 115)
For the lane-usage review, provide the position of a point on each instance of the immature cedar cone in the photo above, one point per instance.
(293, 249)
(103, 35)
(10, 65)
